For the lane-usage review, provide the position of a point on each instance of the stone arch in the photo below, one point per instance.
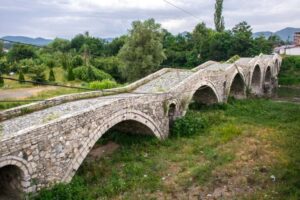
(237, 88)
(122, 116)
(276, 68)
(268, 80)
(256, 78)
(205, 95)
(15, 177)
(172, 111)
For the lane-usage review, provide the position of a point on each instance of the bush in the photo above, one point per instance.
(110, 65)
(190, 124)
(105, 84)
(290, 71)
(76, 61)
(1, 81)
(21, 77)
(90, 73)
(38, 73)
(51, 76)
(70, 74)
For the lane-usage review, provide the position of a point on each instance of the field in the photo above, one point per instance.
(242, 150)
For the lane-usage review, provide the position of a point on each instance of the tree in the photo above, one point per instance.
(241, 40)
(1, 49)
(19, 52)
(51, 76)
(21, 77)
(37, 73)
(61, 45)
(70, 74)
(143, 51)
(219, 19)
(112, 48)
(76, 61)
(1, 81)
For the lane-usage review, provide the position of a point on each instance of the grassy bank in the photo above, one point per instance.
(243, 150)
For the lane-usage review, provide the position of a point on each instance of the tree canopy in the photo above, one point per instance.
(143, 50)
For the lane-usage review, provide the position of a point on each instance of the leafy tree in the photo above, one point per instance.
(219, 44)
(77, 42)
(19, 52)
(1, 79)
(70, 74)
(143, 51)
(51, 75)
(261, 45)
(65, 60)
(109, 65)
(21, 77)
(61, 45)
(90, 73)
(76, 61)
(1, 49)
(275, 40)
(219, 19)
(241, 40)
(200, 40)
(38, 73)
(113, 48)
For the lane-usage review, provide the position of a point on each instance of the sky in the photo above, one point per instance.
(112, 18)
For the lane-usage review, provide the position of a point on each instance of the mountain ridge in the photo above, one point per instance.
(286, 34)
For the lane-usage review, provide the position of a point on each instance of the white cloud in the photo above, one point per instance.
(110, 18)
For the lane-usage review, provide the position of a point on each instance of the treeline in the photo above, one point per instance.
(146, 48)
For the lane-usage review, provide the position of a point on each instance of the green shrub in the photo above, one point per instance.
(76, 61)
(105, 84)
(290, 71)
(51, 76)
(70, 74)
(189, 125)
(38, 73)
(90, 73)
(1, 81)
(21, 78)
(233, 59)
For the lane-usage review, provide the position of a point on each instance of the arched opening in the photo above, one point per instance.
(256, 80)
(172, 112)
(102, 162)
(203, 96)
(10, 182)
(237, 88)
(268, 76)
(267, 82)
(131, 126)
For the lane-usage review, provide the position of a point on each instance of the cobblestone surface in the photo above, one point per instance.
(47, 115)
(165, 82)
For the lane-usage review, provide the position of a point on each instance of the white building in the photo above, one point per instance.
(292, 50)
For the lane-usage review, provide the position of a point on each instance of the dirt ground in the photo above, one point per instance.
(22, 93)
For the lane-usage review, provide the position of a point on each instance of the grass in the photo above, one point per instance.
(234, 152)
(40, 96)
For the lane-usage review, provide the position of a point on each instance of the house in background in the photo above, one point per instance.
(290, 49)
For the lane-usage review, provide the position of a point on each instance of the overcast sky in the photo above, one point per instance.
(111, 18)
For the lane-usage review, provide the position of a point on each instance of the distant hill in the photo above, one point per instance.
(27, 40)
(285, 34)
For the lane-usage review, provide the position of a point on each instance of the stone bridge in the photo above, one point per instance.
(47, 145)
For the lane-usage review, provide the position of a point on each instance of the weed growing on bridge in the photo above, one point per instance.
(230, 150)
